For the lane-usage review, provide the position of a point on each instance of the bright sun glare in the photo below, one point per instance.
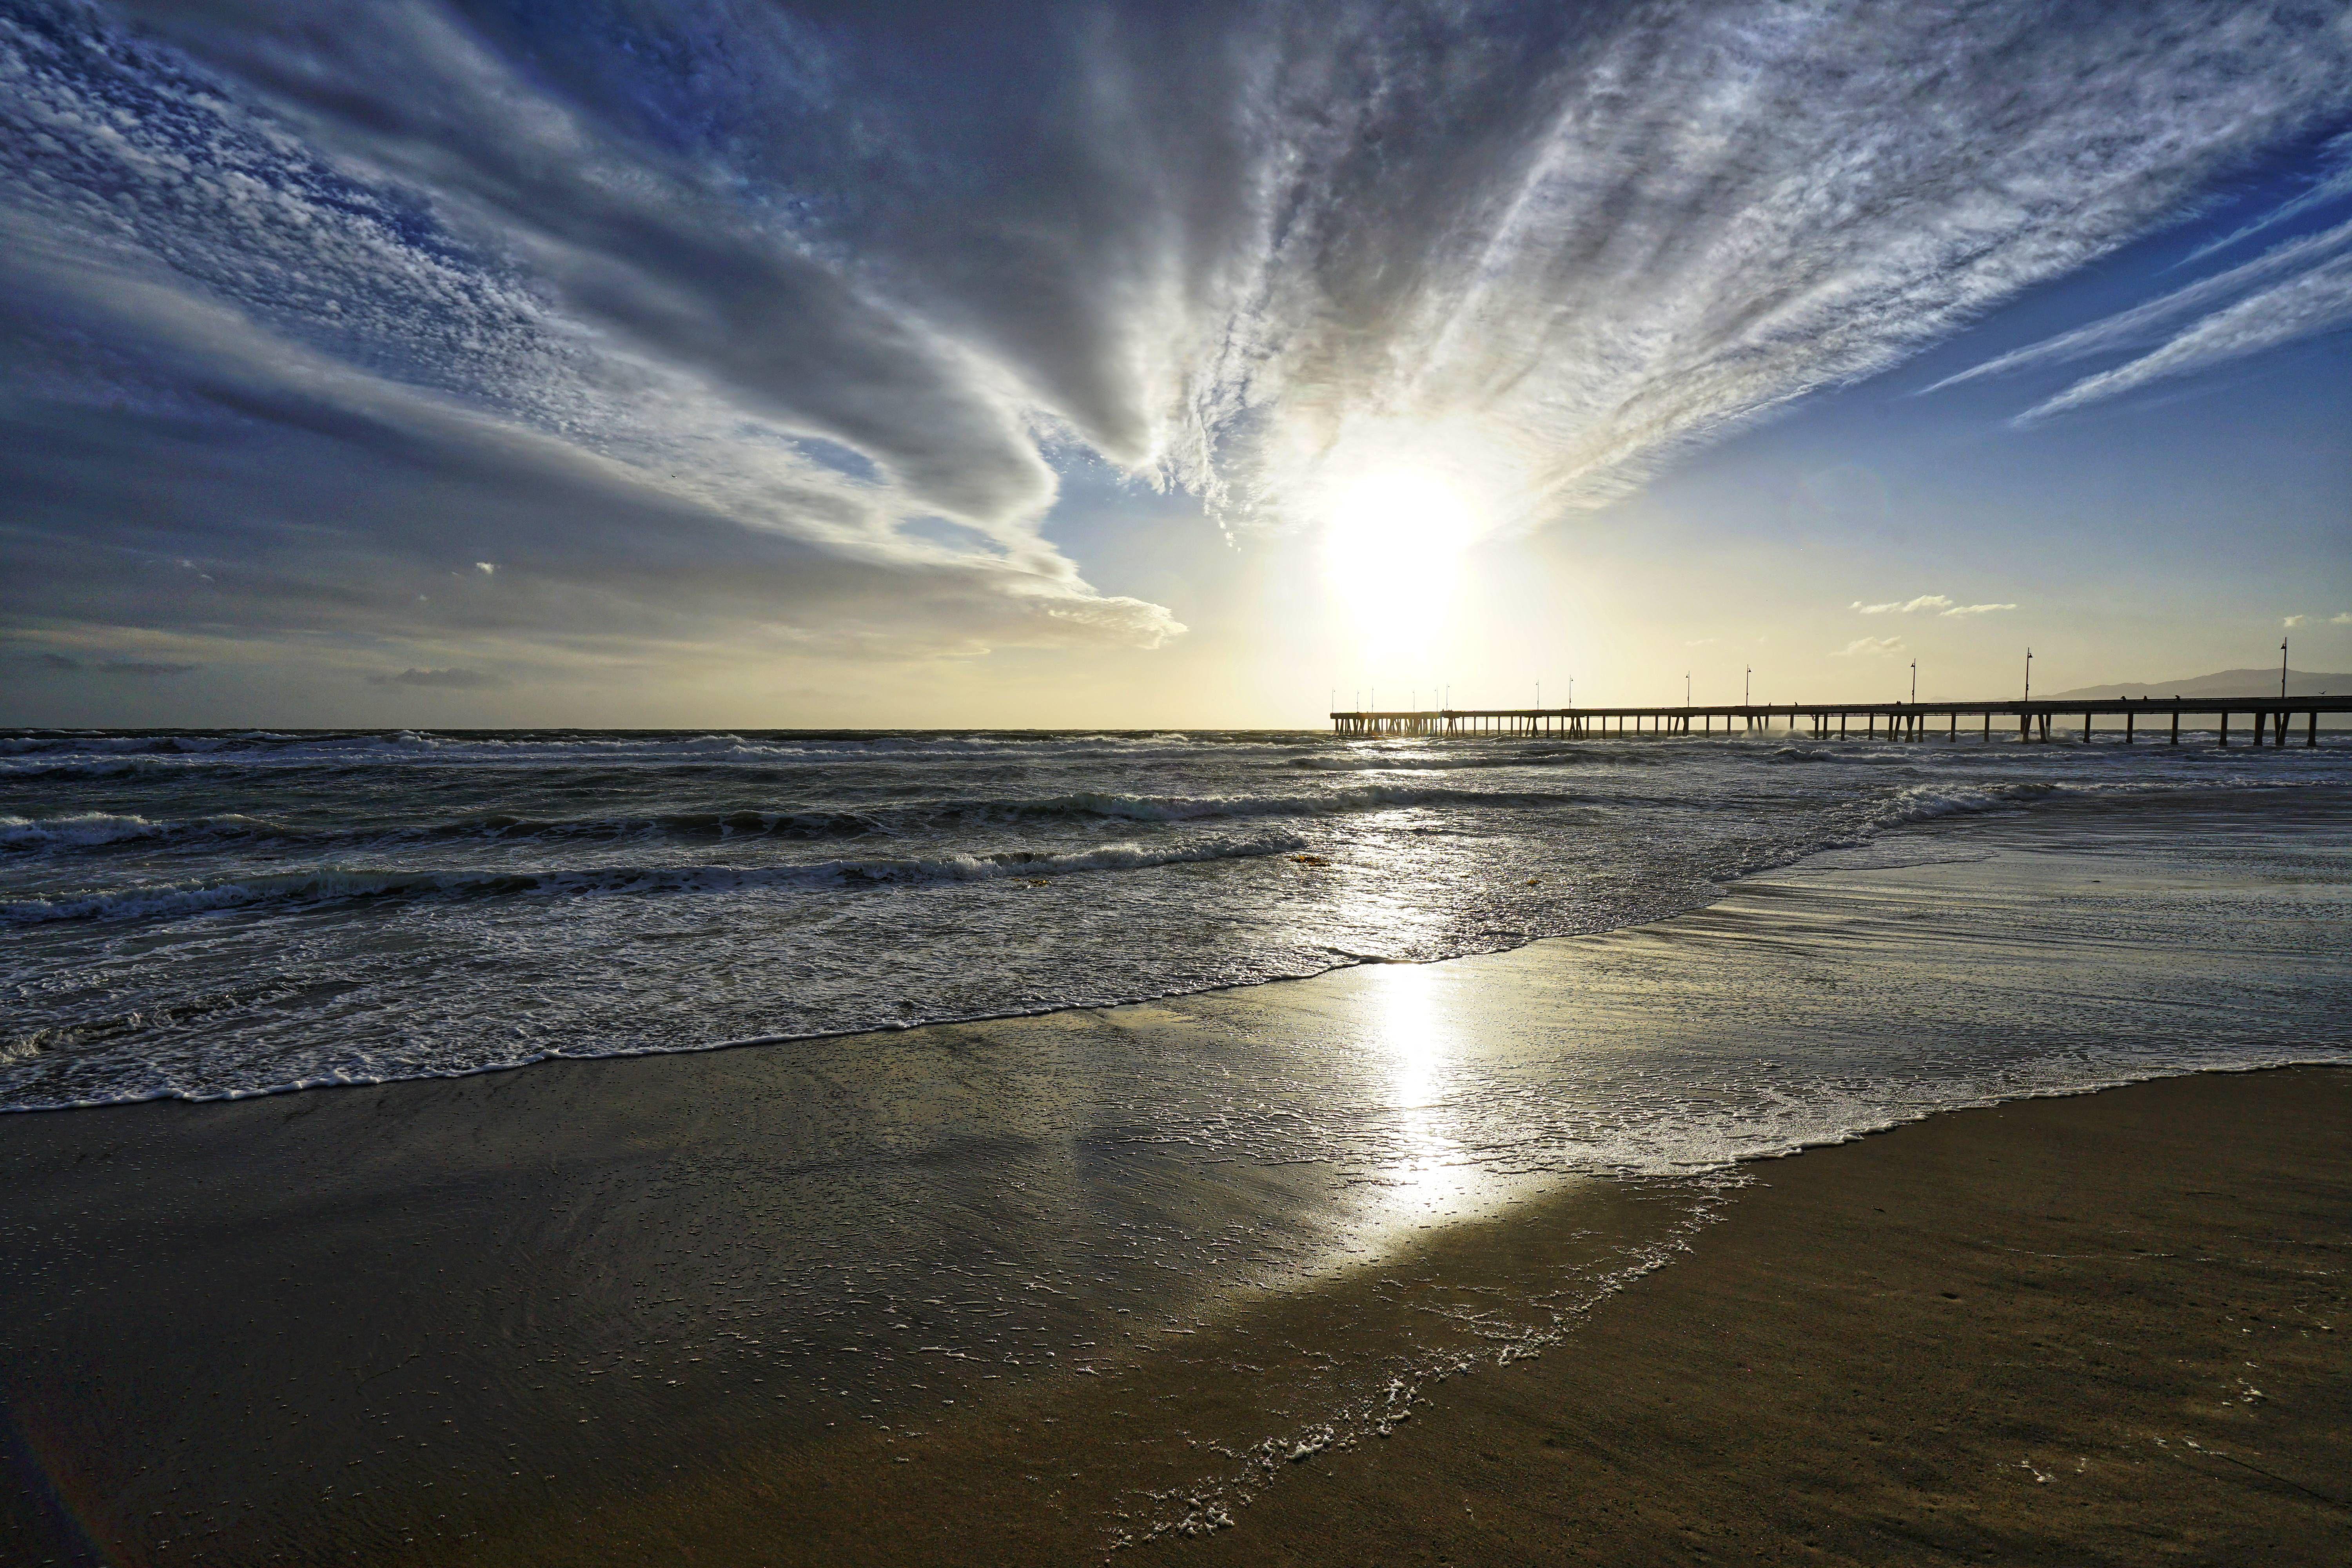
(1393, 546)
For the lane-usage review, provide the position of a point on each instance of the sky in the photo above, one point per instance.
(730, 364)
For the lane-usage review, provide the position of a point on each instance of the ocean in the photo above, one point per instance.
(211, 915)
(1017, 1134)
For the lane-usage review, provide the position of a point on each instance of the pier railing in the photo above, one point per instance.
(2268, 718)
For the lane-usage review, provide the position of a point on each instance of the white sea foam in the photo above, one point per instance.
(89, 829)
(353, 883)
(82, 828)
(1193, 809)
(408, 886)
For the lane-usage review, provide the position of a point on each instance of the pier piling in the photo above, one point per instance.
(2272, 716)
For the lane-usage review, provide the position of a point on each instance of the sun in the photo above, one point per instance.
(1393, 540)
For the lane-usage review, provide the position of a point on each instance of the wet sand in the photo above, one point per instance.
(660, 1310)
(2105, 1329)
(2108, 1329)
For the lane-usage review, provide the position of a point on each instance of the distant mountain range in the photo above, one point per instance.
(2223, 683)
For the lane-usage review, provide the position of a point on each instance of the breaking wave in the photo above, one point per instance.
(330, 883)
(96, 829)
(92, 830)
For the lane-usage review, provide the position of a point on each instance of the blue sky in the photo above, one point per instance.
(709, 363)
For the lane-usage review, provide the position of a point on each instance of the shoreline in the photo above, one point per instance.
(1878, 1355)
(615, 1307)
(2017, 1332)
(2031, 819)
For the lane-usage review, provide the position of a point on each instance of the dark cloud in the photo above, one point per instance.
(438, 679)
(135, 666)
(710, 322)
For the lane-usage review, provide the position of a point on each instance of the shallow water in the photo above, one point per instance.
(349, 1316)
(200, 916)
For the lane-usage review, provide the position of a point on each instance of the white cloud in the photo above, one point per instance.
(862, 285)
(2295, 620)
(2295, 291)
(211, 254)
(2318, 301)
(2150, 321)
(2336, 183)
(1941, 603)
(1698, 234)
(2340, 620)
(1868, 646)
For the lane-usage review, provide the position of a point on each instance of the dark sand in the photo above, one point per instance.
(548, 1317)
(2106, 1329)
(2109, 1329)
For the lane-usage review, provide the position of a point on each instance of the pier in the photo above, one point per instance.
(2267, 720)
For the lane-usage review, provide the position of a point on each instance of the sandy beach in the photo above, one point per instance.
(2109, 1329)
(1473, 786)
(1300, 784)
(657, 1309)
(2103, 1329)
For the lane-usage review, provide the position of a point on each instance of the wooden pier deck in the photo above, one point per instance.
(2268, 719)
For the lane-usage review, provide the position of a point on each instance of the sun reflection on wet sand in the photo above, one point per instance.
(1414, 1033)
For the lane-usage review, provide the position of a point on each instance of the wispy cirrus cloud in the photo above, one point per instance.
(1936, 604)
(438, 679)
(2317, 300)
(1640, 276)
(708, 323)
(1868, 647)
(2297, 290)
(144, 667)
(2154, 320)
(2332, 183)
